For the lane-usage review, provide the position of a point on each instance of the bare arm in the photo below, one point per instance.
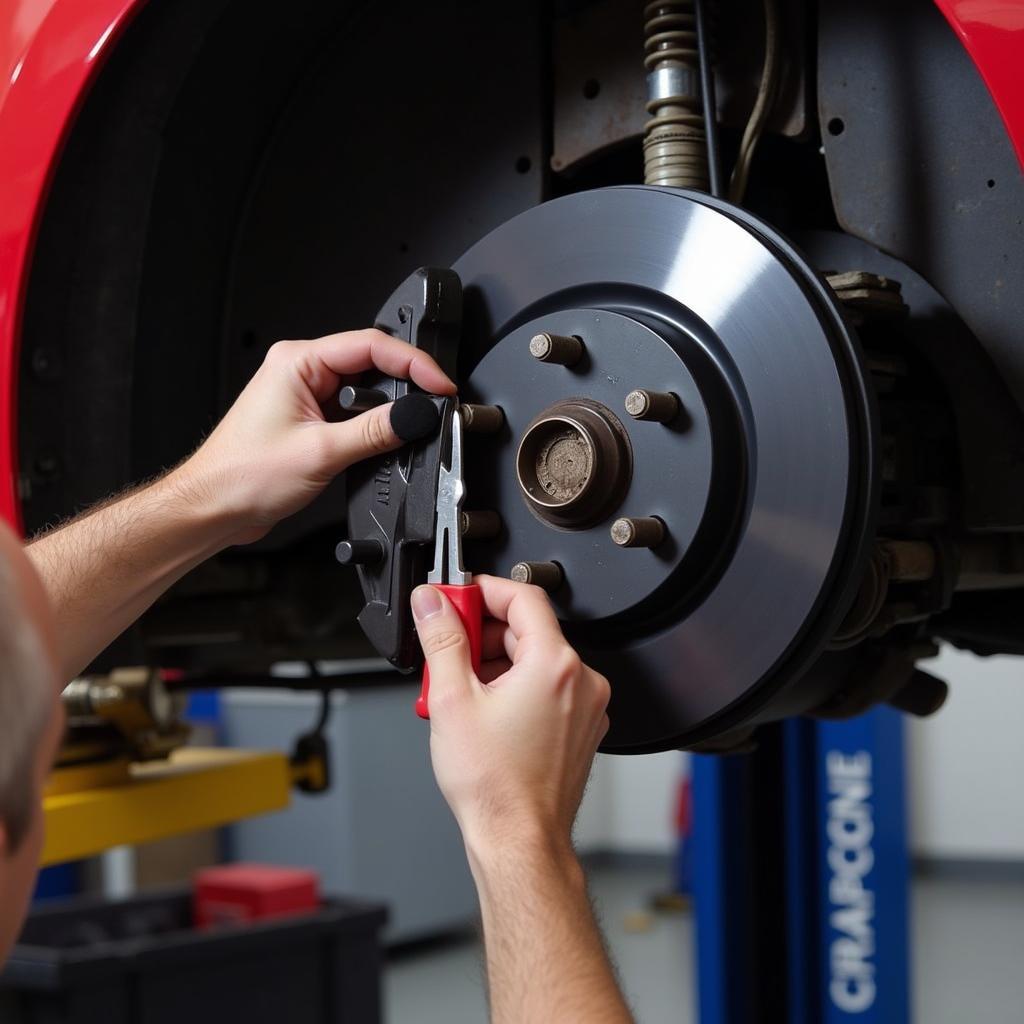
(512, 750)
(546, 960)
(102, 570)
(273, 452)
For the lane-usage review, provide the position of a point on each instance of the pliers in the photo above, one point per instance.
(448, 574)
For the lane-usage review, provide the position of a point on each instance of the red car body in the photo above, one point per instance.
(51, 50)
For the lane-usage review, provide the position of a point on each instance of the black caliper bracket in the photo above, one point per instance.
(391, 499)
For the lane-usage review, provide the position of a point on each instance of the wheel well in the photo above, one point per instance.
(240, 174)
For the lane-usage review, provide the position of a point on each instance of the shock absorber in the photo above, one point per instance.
(675, 146)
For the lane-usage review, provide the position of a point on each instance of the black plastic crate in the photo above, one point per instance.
(140, 961)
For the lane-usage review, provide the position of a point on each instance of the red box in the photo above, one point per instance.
(230, 893)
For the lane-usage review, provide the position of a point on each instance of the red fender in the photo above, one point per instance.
(49, 53)
(993, 33)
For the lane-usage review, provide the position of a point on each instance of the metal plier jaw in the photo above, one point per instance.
(451, 492)
(448, 575)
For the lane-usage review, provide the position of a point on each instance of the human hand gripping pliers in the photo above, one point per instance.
(448, 573)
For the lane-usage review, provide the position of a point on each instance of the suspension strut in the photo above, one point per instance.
(675, 146)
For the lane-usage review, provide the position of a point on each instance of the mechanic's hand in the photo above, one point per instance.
(276, 448)
(511, 749)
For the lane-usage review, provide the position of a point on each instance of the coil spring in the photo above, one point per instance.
(675, 148)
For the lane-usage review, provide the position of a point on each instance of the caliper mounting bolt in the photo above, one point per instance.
(546, 575)
(482, 419)
(564, 349)
(359, 552)
(642, 532)
(659, 406)
(360, 399)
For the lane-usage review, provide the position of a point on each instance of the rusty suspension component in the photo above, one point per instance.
(675, 144)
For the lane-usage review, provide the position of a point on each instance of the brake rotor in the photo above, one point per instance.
(762, 480)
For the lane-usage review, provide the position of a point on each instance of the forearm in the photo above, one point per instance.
(273, 452)
(545, 957)
(104, 569)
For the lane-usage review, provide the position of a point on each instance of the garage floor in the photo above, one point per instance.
(968, 940)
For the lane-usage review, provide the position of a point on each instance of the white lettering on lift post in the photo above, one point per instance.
(850, 829)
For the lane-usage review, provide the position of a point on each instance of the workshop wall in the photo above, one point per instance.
(630, 804)
(966, 763)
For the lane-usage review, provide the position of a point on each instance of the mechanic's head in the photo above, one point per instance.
(31, 723)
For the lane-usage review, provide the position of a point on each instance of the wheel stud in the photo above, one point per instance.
(643, 532)
(482, 525)
(659, 406)
(556, 348)
(482, 419)
(547, 575)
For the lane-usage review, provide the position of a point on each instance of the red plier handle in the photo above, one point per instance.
(469, 603)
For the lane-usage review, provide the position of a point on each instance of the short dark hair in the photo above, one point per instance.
(24, 708)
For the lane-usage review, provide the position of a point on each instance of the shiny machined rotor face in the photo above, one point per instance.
(700, 471)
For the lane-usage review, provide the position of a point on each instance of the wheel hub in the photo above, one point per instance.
(573, 463)
(579, 461)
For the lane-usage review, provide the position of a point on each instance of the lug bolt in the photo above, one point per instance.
(659, 406)
(484, 525)
(482, 419)
(360, 399)
(359, 552)
(547, 575)
(643, 532)
(556, 348)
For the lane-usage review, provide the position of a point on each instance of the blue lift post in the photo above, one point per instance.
(801, 876)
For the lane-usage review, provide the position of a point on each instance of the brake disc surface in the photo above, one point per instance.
(763, 481)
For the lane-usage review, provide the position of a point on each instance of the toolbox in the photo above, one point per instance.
(141, 961)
